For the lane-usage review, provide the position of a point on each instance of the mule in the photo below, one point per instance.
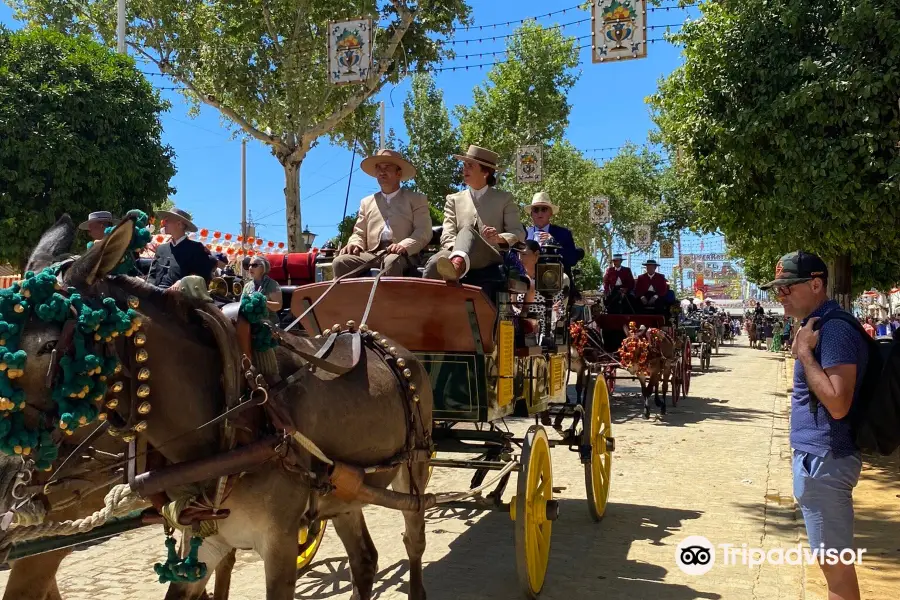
(359, 418)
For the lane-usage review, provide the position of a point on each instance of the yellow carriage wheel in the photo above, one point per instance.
(309, 540)
(534, 510)
(598, 433)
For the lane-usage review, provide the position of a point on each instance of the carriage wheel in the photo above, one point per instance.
(310, 540)
(609, 375)
(701, 354)
(597, 435)
(534, 510)
(686, 370)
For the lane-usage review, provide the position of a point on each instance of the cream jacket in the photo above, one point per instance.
(495, 208)
(408, 218)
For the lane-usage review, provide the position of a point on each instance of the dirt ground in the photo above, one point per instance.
(717, 466)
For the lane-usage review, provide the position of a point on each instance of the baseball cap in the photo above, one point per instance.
(797, 267)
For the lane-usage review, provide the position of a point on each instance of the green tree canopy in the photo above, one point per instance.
(79, 132)
(785, 122)
(433, 140)
(525, 99)
(264, 65)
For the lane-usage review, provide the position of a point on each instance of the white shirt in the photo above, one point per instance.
(477, 194)
(178, 241)
(386, 234)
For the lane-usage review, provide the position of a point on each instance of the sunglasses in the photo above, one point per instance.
(785, 290)
(253, 265)
(539, 209)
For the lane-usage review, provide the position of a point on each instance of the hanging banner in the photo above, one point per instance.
(529, 164)
(619, 29)
(599, 210)
(349, 51)
(642, 236)
(666, 249)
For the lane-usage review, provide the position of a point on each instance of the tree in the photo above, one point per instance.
(79, 132)
(264, 65)
(525, 100)
(433, 140)
(591, 277)
(785, 122)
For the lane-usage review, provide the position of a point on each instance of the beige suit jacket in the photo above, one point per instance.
(408, 217)
(496, 208)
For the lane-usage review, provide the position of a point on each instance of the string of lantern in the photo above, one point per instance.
(231, 244)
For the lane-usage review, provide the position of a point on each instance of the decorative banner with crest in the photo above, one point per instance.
(619, 29)
(349, 51)
(529, 164)
(599, 210)
(666, 249)
(643, 236)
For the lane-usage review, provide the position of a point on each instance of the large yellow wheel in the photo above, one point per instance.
(534, 510)
(597, 448)
(310, 540)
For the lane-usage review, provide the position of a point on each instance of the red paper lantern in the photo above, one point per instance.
(230, 251)
(228, 236)
(240, 238)
(249, 239)
(217, 234)
(218, 248)
(204, 232)
(259, 241)
(160, 239)
(271, 244)
(281, 244)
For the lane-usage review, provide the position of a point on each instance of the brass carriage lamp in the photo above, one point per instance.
(308, 237)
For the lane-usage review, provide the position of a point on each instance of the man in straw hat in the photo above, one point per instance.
(394, 220)
(651, 286)
(477, 221)
(542, 230)
(97, 223)
(179, 257)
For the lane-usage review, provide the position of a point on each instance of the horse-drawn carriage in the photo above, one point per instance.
(604, 335)
(484, 368)
(463, 341)
(703, 338)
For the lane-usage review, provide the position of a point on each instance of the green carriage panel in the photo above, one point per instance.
(462, 389)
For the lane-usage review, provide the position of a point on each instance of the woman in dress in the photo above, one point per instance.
(262, 283)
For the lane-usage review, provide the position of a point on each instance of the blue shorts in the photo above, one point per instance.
(824, 489)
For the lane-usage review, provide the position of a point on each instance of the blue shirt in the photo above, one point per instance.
(839, 344)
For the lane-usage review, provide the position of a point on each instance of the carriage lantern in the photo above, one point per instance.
(549, 270)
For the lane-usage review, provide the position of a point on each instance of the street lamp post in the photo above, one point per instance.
(308, 237)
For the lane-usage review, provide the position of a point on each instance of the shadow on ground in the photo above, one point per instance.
(587, 560)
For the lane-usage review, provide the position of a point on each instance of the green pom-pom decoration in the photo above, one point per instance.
(255, 310)
(80, 387)
(177, 570)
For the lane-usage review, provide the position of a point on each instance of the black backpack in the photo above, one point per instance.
(875, 413)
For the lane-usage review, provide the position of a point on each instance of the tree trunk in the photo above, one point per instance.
(840, 272)
(292, 206)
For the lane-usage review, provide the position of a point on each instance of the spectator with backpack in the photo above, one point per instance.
(828, 375)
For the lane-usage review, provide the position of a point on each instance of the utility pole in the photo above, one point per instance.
(244, 190)
(381, 126)
(120, 26)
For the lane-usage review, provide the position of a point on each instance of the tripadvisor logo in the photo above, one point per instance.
(696, 555)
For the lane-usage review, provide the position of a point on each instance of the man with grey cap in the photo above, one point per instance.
(96, 224)
(832, 354)
(179, 257)
(478, 221)
(394, 220)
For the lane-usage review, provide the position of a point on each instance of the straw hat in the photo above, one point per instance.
(482, 156)
(543, 199)
(179, 215)
(407, 171)
(102, 216)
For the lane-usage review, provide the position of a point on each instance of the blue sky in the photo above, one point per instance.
(608, 102)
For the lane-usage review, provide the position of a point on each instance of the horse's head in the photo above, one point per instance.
(51, 369)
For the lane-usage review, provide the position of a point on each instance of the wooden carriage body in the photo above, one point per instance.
(466, 342)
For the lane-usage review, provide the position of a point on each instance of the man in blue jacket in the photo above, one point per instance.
(542, 210)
